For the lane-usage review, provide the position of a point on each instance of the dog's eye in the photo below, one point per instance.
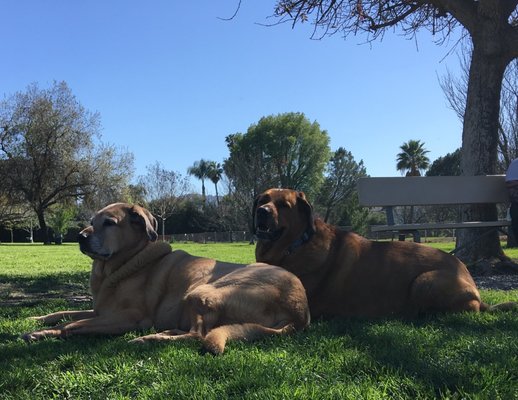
(109, 222)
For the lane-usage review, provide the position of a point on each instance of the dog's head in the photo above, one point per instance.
(282, 212)
(117, 227)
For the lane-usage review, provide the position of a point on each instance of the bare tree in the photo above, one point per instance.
(492, 26)
(509, 115)
(164, 190)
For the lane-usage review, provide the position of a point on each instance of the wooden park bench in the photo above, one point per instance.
(432, 190)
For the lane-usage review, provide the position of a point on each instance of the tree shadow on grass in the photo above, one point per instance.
(31, 291)
(450, 351)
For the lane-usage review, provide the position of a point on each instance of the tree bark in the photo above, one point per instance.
(43, 226)
(480, 138)
(217, 194)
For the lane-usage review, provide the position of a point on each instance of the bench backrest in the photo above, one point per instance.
(432, 190)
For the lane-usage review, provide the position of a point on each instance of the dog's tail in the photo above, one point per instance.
(507, 306)
(214, 342)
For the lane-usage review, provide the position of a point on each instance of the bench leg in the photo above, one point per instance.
(415, 234)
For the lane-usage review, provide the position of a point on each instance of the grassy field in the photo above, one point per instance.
(472, 356)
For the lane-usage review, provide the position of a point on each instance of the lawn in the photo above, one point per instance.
(473, 356)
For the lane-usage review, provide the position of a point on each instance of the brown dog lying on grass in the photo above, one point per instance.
(347, 275)
(139, 284)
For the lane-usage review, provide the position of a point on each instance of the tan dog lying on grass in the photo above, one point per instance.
(347, 275)
(139, 284)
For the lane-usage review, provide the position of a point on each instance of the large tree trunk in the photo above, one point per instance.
(479, 141)
(43, 226)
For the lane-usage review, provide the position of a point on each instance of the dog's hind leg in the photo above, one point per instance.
(215, 340)
(172, 334)
(442, 291)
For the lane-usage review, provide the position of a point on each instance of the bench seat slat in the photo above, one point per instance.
(445, 225)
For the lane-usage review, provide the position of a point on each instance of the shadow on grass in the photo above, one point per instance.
(447, 352)
(450, 351)
(30, 291)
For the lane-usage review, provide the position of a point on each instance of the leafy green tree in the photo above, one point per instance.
(13, 207)
(288, 150)
(342, 174)
(200, 169)
(194, 215)
(284, 150)
(47, 150)
(448, 165)
(492, 27)
(357, 217)
(60, 220)
(135, 194)
(412, 159)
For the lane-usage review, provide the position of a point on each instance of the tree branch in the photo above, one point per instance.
(397, 19)
(233, 15)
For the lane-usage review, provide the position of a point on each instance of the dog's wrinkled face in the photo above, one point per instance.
(281, 211)
(115, 228)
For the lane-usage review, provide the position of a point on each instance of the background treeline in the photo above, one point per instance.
(55, 170)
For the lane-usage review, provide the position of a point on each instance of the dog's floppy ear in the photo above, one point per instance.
(141, 216)
(254, 207)
(305, 206)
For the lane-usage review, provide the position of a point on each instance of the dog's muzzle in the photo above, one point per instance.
(263, 229)
(85, 246)
(82, 238)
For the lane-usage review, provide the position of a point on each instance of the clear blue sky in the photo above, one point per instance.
(171, 80)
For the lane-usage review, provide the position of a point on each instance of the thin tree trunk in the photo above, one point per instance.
(479, 148)
(163, 229)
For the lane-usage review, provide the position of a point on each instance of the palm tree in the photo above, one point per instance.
(412, 159)
(214, 174)
(200, 170)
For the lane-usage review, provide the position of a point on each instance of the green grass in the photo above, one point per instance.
(472, 356)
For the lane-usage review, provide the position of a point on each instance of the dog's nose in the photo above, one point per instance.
(262, 212)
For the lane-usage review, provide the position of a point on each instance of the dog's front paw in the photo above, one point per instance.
(32, 336)
(45, 319)
(44, 334)
(139, 340)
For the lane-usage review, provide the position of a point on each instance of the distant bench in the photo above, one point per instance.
(432, 190)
